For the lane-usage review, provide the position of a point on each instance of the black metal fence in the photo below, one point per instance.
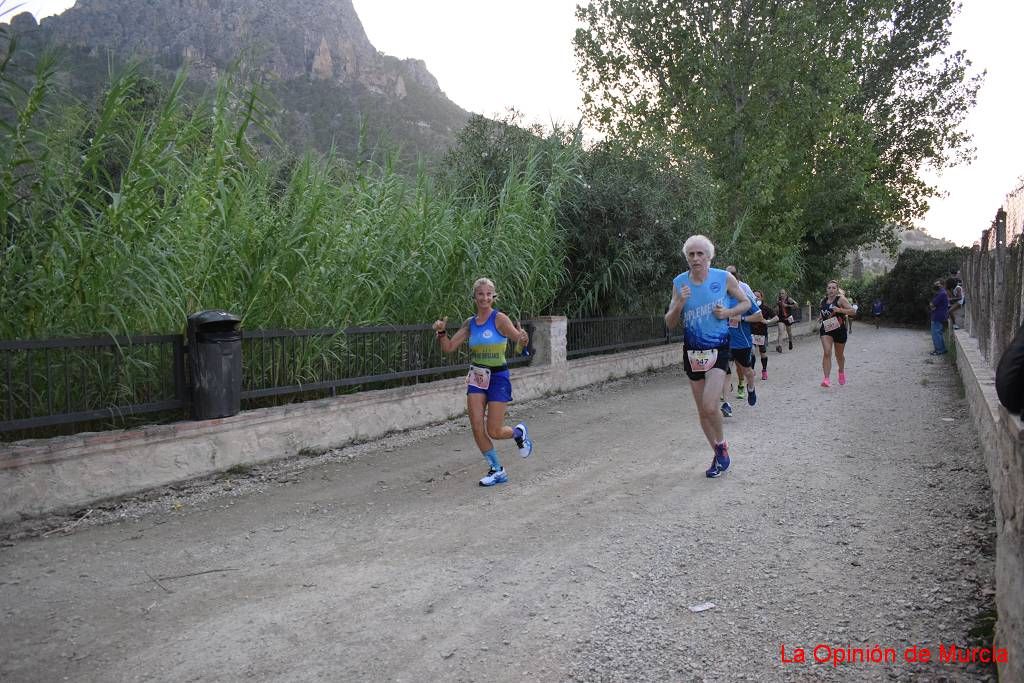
(590, 336)
(60, 381)
(102, 382)
(284, 362)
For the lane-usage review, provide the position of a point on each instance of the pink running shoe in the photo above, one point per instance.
(825, 382)
(764, 374)
(842, 378)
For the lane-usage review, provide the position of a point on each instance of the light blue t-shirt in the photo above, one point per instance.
(701, 329)
(740, 337)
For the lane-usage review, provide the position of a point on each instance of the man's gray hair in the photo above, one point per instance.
(695, 239)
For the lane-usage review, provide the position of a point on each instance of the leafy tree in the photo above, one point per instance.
(625, 226)
(815, 118)
(907, 288)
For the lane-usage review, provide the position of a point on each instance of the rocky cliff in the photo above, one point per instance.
(300, 44)
(875, 260)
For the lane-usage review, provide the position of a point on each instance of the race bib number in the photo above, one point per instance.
(759, 339)
(702, 361)
(479, 377)
(734, 322)
(829, 324)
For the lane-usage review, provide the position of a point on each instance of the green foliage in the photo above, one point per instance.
(906, 290)
(815, 118)
(624, 212)
(129, 215)
(626, 224)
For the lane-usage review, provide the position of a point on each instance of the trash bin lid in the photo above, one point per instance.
(213, 316)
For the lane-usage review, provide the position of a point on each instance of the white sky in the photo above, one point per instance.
(489, 55)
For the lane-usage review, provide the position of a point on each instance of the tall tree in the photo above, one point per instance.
(816, 117)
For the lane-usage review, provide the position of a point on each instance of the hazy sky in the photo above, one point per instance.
(489, 55)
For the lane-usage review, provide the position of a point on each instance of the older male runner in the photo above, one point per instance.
(704, 298)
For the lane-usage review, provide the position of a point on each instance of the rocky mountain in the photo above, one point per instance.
(875, 260)
(315, 55)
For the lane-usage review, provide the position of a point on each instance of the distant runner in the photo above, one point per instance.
(832, 313)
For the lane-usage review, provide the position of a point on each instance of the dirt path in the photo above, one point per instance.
(854, 516)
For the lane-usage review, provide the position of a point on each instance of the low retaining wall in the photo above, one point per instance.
(1002, 442)
(64, 473)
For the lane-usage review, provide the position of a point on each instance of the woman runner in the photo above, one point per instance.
(832, 313)
(489, 388)
(785, 306)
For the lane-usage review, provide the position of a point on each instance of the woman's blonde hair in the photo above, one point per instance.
(480, 283)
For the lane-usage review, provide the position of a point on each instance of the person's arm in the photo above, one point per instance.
(450, 344)
(508, 329)
(844, 306)
(732, 285)
(753, 318)
(675, 307)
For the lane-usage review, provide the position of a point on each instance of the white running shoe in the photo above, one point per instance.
(494, 477)
(524, 443)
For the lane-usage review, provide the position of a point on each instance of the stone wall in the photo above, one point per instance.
(1002, 441)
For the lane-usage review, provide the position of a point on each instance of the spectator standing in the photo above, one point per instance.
(877, 308)
(940, 312)
(956, 298)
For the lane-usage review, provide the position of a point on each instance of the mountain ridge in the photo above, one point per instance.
(299, 45)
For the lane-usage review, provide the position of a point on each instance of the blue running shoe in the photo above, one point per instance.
(752, 397)
(494, 477)
(720, 463)
(726, 409)
(523, 441)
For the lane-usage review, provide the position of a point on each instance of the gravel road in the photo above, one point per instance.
(852, 517)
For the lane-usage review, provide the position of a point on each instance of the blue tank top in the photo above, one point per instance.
(740, 336)
(487, 345)
(701, 329)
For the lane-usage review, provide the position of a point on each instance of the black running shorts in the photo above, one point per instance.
(744, 357)
(721, 363)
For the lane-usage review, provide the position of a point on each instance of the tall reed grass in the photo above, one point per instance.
(127, 216)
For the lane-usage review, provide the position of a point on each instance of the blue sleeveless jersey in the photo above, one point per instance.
(701, 329)
(487, 345)
(740, 337)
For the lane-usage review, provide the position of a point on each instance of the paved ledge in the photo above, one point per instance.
(1002, 441)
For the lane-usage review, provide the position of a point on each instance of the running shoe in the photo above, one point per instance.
(524, 442)
(751, 398)
(741, 392)
(494, 477)
(790, 344)
(825, 383)
(720, 463)
(764, 374)
(842, 378)
(778, 348)
(726, 409)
